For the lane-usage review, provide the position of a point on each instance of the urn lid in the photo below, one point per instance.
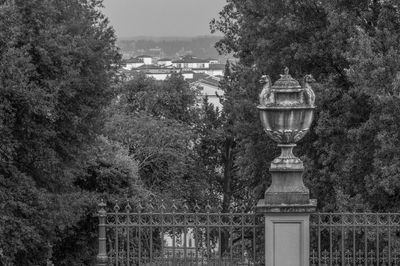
(286, 83)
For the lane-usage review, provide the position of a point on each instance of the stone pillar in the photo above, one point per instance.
(287, 233)
(102, 258)
(286, 111)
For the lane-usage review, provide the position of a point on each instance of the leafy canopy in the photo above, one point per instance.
(352, 49)
(58, 63)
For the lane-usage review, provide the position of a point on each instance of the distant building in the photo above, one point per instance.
(147, 59)
(162, 73)
(209, 87)
(212, 70)
(133, 63)
(188, 66)
(191, 62)
(187, 75)
(212, 60)
(164, 62)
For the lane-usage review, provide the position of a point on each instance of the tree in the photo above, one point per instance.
(57, 64)
(207, 146)
(351, 48)
(170, 99)
(225, 144)
(155, 121)
(110, 173)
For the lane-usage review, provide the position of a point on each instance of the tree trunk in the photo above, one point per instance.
(228, 159)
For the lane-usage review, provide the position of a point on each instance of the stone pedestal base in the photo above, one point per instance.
(287, 233)
(287, 179)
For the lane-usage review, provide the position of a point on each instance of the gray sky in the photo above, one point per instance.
(162, 17)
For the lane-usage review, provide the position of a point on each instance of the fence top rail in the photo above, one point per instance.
(185, 219)
(187, 214)
(183, 208)
(355, 219)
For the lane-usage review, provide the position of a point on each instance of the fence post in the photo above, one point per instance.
(102, 258)
(286, 111)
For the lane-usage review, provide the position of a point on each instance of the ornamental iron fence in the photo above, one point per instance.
(355, 239)
(157, 234)
(174, 235)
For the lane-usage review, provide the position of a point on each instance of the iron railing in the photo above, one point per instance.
(355, 239)
(156, 234)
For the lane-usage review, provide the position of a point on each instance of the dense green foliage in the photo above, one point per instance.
(57, 65)
(352, 49)
(155, 121)
(239, 176)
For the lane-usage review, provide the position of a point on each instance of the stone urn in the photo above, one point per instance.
(286, 112)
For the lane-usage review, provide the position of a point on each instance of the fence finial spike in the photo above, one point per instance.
(185, 207)
(196, 207)
(140, 207)
(174, 207)
(219, 207)
(150, 206)
(162, 206)
(128, 207)
(116, 206)
(208, 206)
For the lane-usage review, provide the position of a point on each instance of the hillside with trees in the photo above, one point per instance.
(202, 46)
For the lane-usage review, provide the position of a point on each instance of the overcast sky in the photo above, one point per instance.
(162, 17)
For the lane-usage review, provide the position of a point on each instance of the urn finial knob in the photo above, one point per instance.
(286, 71)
